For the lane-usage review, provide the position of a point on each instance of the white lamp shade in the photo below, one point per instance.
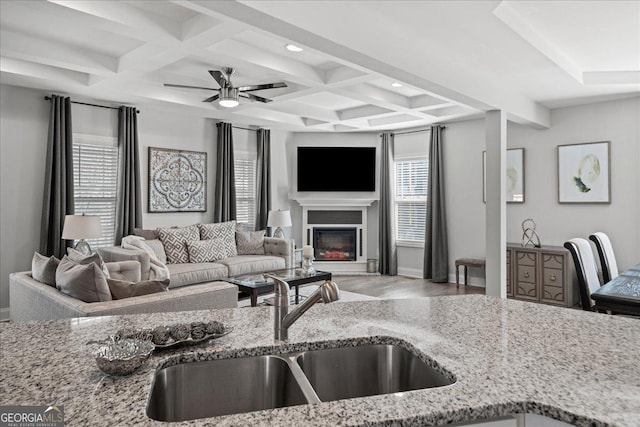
(279, 219)
(78, 227)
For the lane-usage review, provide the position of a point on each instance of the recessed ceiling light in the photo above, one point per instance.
(293, 48)
(396, 84)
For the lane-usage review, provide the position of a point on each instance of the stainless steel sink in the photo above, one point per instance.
(348, 372)
(220, 387)
(229, 386)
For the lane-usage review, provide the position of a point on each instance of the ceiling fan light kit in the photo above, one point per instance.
(228, 95)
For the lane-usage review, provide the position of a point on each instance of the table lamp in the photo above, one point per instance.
(279, 219)
(81, 227)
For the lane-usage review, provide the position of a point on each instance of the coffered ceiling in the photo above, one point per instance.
(453, 59)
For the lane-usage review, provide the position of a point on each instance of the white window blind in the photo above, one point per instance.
(245, 174)
(95, 180)
(411, 199)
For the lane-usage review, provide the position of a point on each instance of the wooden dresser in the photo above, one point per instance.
(541, 275)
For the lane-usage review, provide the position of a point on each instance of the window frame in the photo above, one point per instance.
(397, 199)
(80, 139)
(249, 156)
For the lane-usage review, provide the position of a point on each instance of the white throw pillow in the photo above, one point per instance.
(207, 250)
(175, 241)
(225, 231)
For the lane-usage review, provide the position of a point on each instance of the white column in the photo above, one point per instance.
(496, 208)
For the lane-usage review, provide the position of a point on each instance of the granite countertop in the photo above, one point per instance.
(508, 357)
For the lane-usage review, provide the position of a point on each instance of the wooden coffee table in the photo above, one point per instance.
(256, 284)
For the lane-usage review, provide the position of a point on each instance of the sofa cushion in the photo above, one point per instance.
(175, 242)
(121, 289)
(84, 259)
(250, 242)
(190, 273)
(158, 249)
(43, 269)
(84, 282)
(226, 231)
(245, 264)
(207, 250)
(146, 234)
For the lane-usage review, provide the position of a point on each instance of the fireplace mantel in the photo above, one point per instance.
(331, 202)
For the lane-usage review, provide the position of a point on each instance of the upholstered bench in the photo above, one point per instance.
(466, 263)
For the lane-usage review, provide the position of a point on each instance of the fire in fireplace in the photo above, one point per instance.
(334, 244)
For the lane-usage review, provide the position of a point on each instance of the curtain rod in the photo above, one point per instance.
(413, 131)
(48, 98)
(240, 127)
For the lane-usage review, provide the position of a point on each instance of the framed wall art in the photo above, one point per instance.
(584, 174)
(177, 180)
(515, 176)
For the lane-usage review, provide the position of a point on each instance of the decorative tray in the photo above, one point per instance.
(192, 341)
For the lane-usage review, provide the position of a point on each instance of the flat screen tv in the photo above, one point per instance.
(336, 168)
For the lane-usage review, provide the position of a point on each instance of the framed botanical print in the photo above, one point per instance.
(584, 174)
(515, 176)
(177, 180)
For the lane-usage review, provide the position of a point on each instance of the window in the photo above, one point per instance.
(95, 180)
(411, 200)
(245, 174)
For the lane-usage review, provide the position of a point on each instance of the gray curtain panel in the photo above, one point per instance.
(225, 194)
(436, 250)
(129, 201)
(263, 174)
(388, 262)
(58, 181)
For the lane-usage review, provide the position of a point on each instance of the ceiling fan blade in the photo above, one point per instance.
(211, 99)
(254, 97)
(189, 87)
(219, 77)
(261, 87)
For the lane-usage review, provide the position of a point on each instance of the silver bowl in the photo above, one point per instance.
(123, 357)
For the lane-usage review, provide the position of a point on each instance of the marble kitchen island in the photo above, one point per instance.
(508, 357)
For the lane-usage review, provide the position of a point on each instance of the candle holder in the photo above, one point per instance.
(307, 265)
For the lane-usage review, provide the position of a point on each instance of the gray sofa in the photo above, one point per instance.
(32, 300)
(279, 254)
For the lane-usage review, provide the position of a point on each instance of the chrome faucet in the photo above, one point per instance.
(328, 292)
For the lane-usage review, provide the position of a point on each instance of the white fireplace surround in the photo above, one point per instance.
(319, 213)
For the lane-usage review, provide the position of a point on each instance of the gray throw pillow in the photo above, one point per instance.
(146, 234)
(207, 250)
(43, 269)
(84, 259)
(84, 282)
(175, 241)
(121, 289)
(225, 231)
(250, 242)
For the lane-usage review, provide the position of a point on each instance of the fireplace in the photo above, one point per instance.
(334, 243)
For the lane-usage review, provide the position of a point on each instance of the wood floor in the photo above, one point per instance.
(392, 287)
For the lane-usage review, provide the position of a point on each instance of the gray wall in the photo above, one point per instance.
(24, 122)
(615, 121)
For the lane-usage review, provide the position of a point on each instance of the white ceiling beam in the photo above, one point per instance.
(305, 110)
(156, 27)
(507, 14)
(33, 49)
(423, 101)
(400, 118)
(611, 78)
(364, 111)
(53, 75)
(374, 95)
(346, 76)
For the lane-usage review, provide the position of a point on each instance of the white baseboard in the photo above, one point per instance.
(4, 314)
(410, 272)
(473, 281)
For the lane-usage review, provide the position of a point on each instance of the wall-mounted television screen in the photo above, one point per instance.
(336, 168)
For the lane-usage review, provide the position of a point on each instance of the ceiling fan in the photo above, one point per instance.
(229, 94)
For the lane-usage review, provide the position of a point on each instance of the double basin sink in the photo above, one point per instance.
(229, 386)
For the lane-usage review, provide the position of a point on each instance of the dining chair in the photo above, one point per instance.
(606, 255)
(586, 270)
